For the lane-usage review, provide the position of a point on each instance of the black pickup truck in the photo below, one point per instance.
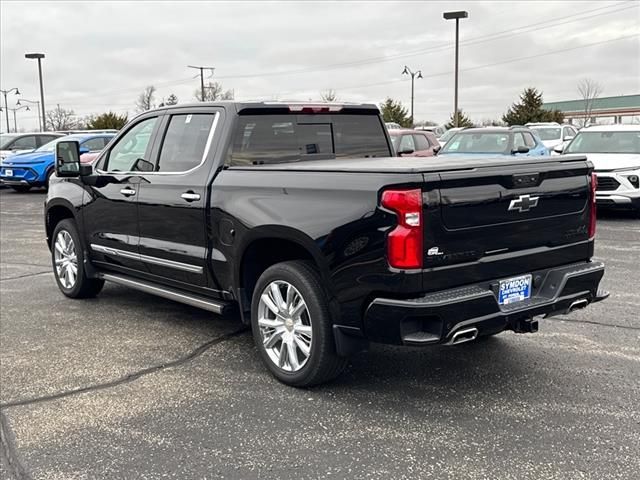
(297, 219)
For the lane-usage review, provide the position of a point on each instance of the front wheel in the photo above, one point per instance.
(67, 257)
(292, 325)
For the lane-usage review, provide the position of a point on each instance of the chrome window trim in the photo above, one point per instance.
(207, 148)
(186, 267)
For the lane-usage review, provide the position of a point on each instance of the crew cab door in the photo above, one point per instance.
(172, 200)
(111, 213)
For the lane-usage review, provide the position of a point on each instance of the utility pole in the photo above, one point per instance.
(407, 71)
(6, 106)
(202, 69)
(457, 16)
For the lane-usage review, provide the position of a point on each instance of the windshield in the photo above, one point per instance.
(448, 135)
(5, 140)
(605, 142)
(547, 133)
(51, 146)
(469, 142)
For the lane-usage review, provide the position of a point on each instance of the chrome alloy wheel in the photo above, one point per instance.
(285, 326)
(66, 259)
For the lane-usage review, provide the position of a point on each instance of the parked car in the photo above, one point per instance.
(12, 143)
(26, 170)
(446, 136)
(413, 143)
(553, 134)
(293, 218)
(614, 151)
(485, 141)
(437, 130)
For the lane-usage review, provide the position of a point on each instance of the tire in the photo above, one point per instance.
(293, 333)
(21, 188)
(66, 247)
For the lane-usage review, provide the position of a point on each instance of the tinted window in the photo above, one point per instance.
(132, 146)
(529, 140)
(28, 142)
(421, 142)
(262, 139)
(185, 142)
(6, 140)
(94, 144)
(43, 139)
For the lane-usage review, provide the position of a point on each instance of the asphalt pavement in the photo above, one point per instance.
(131, 386)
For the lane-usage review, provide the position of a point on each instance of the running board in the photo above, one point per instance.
(216, 306)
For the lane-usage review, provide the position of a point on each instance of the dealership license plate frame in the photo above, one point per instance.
(515, 292)
(8, 172)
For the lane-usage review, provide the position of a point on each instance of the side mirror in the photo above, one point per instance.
(408, 151)
(67, 158)
(84, 150)
(558, 148)
(520, 149)
(436, 149)
(567, 138)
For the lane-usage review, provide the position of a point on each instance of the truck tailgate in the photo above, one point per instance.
(499, 221)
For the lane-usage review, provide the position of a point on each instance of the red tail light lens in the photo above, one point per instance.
(404, 243)
(592, 200)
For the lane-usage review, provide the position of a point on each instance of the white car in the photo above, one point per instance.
(553, 134)
(12, 143)
(614, 151)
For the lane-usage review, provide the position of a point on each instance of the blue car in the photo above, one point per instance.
(491, 141)
(26, 170)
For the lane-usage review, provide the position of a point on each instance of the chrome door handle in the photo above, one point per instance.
(128, 192)
(190, 196)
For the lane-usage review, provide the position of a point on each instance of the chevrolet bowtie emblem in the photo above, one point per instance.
(523, 203)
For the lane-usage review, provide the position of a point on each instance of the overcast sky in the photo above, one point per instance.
(100, 55)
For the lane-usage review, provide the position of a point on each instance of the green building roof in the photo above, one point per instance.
(603, 103)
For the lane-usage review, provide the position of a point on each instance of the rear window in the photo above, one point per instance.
(470, 142)
(263, 139)
(605, 142)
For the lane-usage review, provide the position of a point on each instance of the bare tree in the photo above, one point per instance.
(61, 119)
(329, 95)
(146, 99)
(589, 90)
(213, 91)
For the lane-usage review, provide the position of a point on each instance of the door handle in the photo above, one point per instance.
(128, 192)
(190, 196)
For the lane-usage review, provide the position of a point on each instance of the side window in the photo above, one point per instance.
(518, 140)
(184, 144)
(24, 143)
(421, 142)
(529, 140)
(43, 139)
(134, 145)
(570, 132)
(406, 143)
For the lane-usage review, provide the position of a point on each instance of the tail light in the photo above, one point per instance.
(404, 242)
(592, 201)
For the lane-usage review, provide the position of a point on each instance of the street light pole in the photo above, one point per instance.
(202, 69)
(15, 122)
(35, 102)
(6, 106)
(407, 71)
(457, 16)
(39, 57)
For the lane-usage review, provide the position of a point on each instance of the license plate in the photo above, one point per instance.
(8, 172)
(514, 289)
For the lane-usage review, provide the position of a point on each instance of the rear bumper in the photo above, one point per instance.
(436, 317)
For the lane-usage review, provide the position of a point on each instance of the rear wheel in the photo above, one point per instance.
(292, 325)
(67, 257)
(21, 188)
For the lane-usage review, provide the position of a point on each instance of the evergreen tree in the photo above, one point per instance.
(529, 109)
(393, 111)
(463, 121)
(106, 121)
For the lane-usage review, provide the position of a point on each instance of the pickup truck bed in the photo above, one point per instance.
(299, 219)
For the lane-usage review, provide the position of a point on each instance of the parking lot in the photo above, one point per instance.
(133, 386)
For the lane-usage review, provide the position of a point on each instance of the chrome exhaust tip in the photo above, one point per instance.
(578, 304)
(464, 335)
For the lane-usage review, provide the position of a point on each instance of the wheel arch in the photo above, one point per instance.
(54, 214)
